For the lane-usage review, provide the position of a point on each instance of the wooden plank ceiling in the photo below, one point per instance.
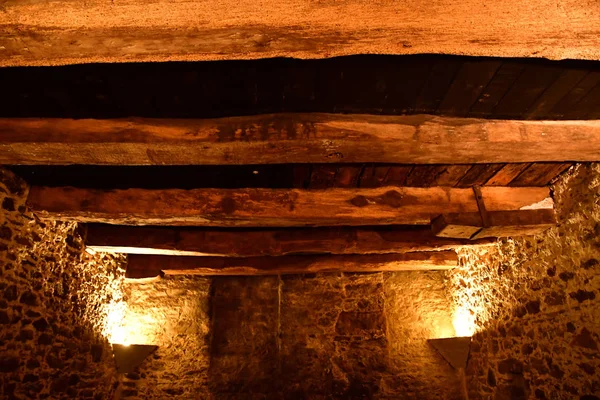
(249, 205)
(490, 88)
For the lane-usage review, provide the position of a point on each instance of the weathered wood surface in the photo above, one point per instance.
(146, 266)
(296, 138)
(39, 32)
(272, 207)
(501, 224)
(275, 242)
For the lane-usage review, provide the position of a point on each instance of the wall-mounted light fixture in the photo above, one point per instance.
(455, 350)
(129, 357)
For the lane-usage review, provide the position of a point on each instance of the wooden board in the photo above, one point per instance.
(478, 175)
(64, 32)
(539, 173)
(467, 86)
(501, 224)
(146, 266)
(296, 138)
(567, 106)
(451, 175)
(507, 174)
(434, 90)
(271, 207)
(555, 92)
(322, 176)
(528, 87)
(496, 89)
(373, 176)
(273, 242)
(397, 175)
(424, 175)
(347, 176)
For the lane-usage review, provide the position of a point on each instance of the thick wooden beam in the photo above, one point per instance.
(147, 266)
(273, 207)
(296, 138)
(274, 242)
(38, 32)
(501, 224)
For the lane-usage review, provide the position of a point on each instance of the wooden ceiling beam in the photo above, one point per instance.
(66, 32)
(148, 266)
(296, 138)
(266, 242)
(274, 207)
(499, 224)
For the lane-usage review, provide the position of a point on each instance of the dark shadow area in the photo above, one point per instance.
(374, 84)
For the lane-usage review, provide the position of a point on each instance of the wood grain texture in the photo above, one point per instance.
(268, 242)
(555, 92)
(467, 86)
(271, 207)
(478, 174)
(541, 173)
(39, 32)
(508, 173)
(501, 224)
(146, 266)
(528, 87)
(496, 89)
(347, 176)
(296, 138)
(567, 106)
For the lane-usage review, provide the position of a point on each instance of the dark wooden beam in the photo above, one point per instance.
(64, 32)
(501, 224)
(274, 242)
(296, 138)
(147, 266)
(272, 207)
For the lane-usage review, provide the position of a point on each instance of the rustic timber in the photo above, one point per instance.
(508, 173)
(501, 224)
(272, 207)
(147, 266)
(360, 84)
(65, 32)
(273, 176)
(296, 138)
(275, 242)
(539, 172)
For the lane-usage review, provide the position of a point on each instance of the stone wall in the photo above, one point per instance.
(341, 336)
(533, 304)
(536, 304)
(52, 307)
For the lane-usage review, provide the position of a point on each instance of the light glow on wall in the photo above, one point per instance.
(464, 322)
(126, 326)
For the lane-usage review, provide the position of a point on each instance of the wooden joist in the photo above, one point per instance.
(500, 224)
(266, 242)
(147, 266)
(274, 207)
(63, 31)
(296, 138)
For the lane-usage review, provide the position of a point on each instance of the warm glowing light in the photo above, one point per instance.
(114, 328)
(126, 326)
(464, 322)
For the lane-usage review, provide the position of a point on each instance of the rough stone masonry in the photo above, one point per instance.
(326, 336)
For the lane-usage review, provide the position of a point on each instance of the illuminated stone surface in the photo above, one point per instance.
(52, 307)
(535, 303)
(532, 305)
